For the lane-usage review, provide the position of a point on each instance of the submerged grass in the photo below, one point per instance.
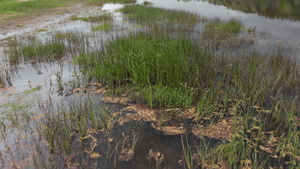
(148, 15)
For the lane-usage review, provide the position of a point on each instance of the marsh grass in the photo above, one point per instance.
(101, 2)
(166, 71)
(35, 52)
(163, 70)
(148, 15)
(42, 30)
(219, 33)
(103, 27)
(59, 45)
(97, 18)
(76, 130)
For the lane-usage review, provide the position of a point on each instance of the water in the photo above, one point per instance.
(280, 26)
(284, 29)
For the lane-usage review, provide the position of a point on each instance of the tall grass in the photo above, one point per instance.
(166, 71)
(101, 2)
(148, 15)
(152, 61)
(58, 46)
(96, 18)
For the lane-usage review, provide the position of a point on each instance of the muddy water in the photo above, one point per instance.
(23, 138)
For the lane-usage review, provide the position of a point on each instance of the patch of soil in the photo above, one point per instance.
(45, 18)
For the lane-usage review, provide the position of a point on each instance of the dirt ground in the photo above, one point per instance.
(45, 18)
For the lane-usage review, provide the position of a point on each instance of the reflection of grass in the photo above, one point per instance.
(148, 14)
(102, 27)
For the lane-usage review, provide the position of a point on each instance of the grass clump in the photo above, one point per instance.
(48, 51)
(62, 44)
(256, 92)
(147, 15)
(224, 33)
(97, 18)
(42, 30)
(102, 27)
(74, 17)
(146, 63)
(101, 2)
(36, 52)
(20, 25)
(231, 26)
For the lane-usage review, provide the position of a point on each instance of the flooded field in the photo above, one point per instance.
(153, 84)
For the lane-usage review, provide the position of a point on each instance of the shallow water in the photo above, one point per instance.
(284, 28)
(282, 31)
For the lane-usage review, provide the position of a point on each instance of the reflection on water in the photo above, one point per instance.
(283, 9)
(285, 30)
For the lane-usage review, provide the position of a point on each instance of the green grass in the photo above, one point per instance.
(224, 33)
(163, 70)
(98, 18)
(19, 9)
(149, 61)
(103, 27)
(36, 52)
(101, 2)
(25, 7)
(166, 71)
(20, 25)
(147, 15)
(42, 30)
(61, 45)
(74, 17)
(231, 26)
